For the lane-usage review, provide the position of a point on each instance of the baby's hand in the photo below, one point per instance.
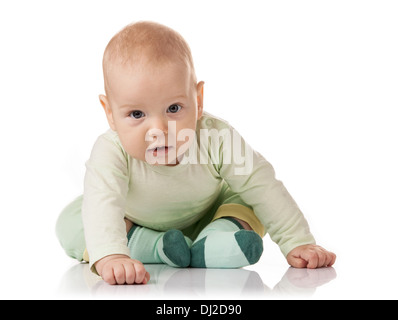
(310, 256)
(121, 269)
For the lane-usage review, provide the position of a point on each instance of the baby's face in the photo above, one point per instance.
(149, 106)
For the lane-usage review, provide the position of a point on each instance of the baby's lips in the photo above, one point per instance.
(158, 147)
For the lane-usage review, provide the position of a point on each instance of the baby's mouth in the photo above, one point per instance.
(163, 150)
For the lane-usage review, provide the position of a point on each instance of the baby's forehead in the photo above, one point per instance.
(145, 58)
(146, 42)
(145, 67)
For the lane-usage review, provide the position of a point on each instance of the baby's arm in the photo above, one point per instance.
(310, 256)
(105, 190)
(273, 205)
(121, 269)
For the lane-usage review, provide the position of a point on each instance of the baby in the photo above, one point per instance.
(169, 183)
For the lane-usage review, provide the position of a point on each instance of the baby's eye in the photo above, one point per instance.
(174, 108)
(137, 114)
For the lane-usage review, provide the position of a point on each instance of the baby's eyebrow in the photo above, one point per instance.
(172, 99)
(177, 98)
(180, 96)
(129, 106)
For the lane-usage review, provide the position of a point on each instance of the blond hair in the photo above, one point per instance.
(146, 41)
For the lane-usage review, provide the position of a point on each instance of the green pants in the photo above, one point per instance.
(69, 229)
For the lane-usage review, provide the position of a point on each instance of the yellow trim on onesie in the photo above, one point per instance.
(235, 210)
(85, 256)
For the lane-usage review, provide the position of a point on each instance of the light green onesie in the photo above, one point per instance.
(220, 168)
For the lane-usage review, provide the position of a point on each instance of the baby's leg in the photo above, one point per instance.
(147, 246)
(244, 224)
(229, 241)
(150, 246)
(69, 230)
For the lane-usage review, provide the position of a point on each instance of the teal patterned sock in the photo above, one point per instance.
(225, 244)
(150, 246)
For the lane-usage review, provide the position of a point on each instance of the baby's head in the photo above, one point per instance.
(152, 93)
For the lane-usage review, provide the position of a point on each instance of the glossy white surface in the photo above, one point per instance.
(172, 283)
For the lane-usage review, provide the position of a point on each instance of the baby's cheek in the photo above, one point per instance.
(134, 149)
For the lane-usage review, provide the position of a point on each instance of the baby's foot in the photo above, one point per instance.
(174, 249)
(150, 246)
(226, 245)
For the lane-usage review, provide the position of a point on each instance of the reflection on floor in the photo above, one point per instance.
(168, 283)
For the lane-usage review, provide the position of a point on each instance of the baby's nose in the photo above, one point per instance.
(158, 129)
(159, 124)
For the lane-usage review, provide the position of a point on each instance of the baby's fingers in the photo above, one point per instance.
(320, 258)
(130, 273)
(325, 258)
(312, 259)
(119, 273)
(141, 275)
(331, 259)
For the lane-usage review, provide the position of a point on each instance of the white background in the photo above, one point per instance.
(312, 85)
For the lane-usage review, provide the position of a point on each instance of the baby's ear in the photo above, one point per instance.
(199, 90)
(108, 111)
